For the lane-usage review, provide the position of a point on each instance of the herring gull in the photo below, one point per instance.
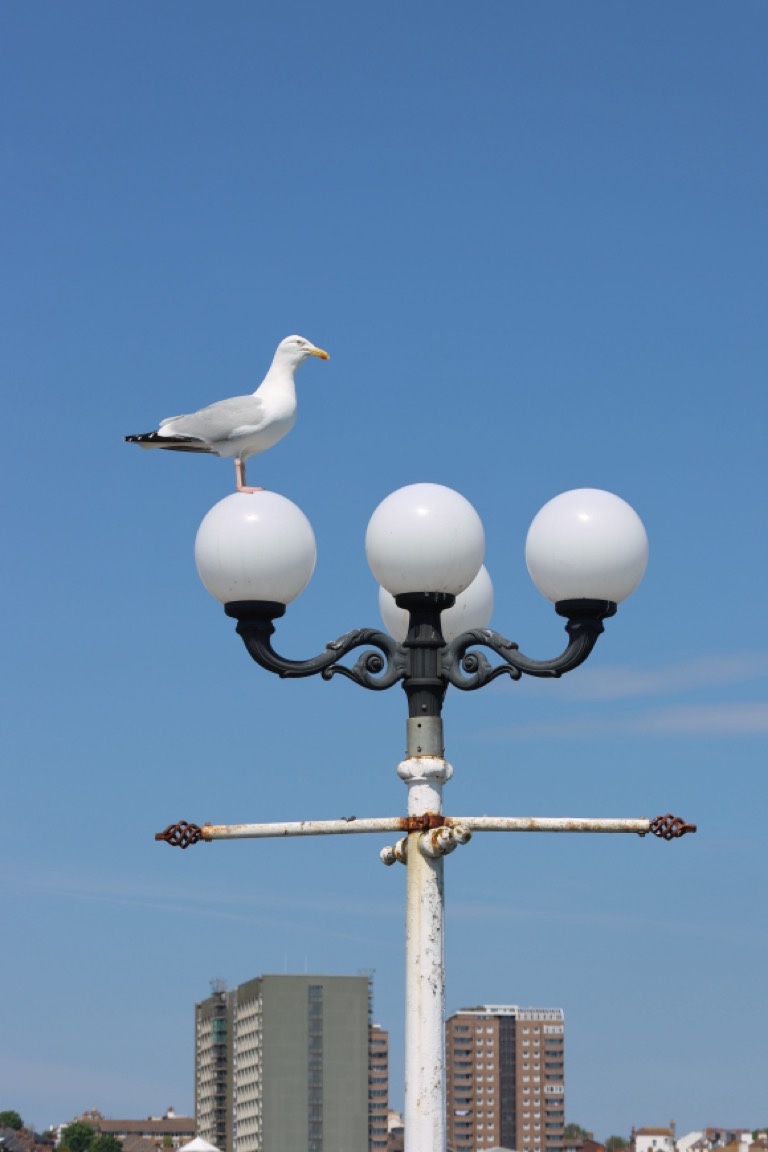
(242, 426)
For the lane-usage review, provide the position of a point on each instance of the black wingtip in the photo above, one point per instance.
(172, 443)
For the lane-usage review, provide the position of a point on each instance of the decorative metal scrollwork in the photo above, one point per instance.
(469, 670)
(376, 670)
(181, 835)
(670, 827)
(424, 656)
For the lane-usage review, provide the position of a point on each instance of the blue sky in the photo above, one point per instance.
(534, 240)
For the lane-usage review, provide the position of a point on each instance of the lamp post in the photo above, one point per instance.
(586, 551)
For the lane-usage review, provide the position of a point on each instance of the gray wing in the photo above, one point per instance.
(220, 421)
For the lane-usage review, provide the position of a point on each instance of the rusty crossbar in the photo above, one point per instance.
(183, 834)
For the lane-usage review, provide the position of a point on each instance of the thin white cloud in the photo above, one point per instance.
(741, 719)
(710, 671)
(705, 720)
(58, 1084)
(492, 914)
(209, 900)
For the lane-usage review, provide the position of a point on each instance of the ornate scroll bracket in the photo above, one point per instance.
(423, 660)
(375, 670)
(470, 670)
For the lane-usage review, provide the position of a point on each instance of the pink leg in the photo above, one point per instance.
(240, 475)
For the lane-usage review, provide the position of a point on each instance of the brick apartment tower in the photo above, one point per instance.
(378, 1088)
(505, 1078)
(285, 1062)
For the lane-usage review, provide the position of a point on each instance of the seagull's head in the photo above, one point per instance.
(295, 350)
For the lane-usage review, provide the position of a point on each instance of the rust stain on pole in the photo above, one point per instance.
(426, 822)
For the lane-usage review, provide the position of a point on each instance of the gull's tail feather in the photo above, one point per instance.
(172, 443)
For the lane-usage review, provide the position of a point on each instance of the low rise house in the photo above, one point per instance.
(25, 1140)
(168, 1131)
(653, 1140)
(582, 1144)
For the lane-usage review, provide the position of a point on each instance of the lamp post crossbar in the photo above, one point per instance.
(173, 834)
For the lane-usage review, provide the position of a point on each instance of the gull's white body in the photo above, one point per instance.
(242, 426)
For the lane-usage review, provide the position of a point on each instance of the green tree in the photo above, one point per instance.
(11, 1119)
(615, 1144)
(575, 1132)
(106, 1142)
(78, 1137)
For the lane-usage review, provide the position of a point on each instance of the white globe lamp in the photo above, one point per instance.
(255, 546)
(425, 538)
(586, 544)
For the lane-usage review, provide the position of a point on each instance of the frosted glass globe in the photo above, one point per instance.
(425, 538)
(473, 609)
(255, 546)
(586, 544)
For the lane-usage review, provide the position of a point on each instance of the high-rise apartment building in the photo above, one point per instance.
(378, 1088)
(213, 1067)
(505, 1078)
(286, 1062)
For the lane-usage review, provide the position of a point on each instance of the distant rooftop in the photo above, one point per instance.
(514, 1010)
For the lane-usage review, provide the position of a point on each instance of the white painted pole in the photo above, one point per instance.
(425, 1128)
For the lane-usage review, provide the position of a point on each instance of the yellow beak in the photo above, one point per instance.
(319, 352)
